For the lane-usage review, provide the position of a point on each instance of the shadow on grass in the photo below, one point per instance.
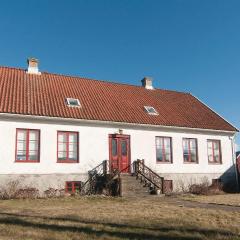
(131, 231)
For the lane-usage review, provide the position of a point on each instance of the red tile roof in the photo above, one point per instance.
(45, 94)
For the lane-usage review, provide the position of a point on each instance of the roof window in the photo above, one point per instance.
(151, 110)
(73, 102)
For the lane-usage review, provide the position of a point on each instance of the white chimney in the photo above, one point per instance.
(33, 66)
(147, 83)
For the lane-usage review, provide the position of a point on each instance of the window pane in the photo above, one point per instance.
(167, 157)
(62, 155)
(22, 135)
(72, 147)
(21, 145)
(21, 155)
(33, 146)
(114, 147)
(193, 157)
(159, 155)
(216, 145)
(185, 145)
(77, 186)
(186, 157)
(72, 156)
(62, 147)
(124, 148)
(33, 155)
(158, 141)
(167, 143)
(69, 186)
(62, 137)
(210, 157)
(33, 135)
(192, 143)
(72, 137)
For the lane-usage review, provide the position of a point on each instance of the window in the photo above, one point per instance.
(114, 147)
(124, 147)
(190, 150)
(164, 149)
(27, 145)
(67, 147)
(151, 110)
(214, 151)
(73, 102)
(73, 187)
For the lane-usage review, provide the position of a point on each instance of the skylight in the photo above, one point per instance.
(151, 110)
(73, 102)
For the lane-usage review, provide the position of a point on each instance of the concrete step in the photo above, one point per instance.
(132, 187)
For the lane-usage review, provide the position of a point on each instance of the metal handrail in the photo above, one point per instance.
(99, 170)
(149, 175)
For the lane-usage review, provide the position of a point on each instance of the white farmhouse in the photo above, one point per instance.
(55, 128)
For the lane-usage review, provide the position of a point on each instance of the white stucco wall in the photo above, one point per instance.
(94, 148)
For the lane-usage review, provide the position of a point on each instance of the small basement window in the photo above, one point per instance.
(73, 187)
(73, 102)
(151, 110)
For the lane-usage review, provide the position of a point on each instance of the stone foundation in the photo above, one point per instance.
(42, 182)
(182, 181)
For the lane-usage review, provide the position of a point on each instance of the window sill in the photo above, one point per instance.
(158, 162)
(27, 161)
(190, 162)
(67, 162)
(214, 163)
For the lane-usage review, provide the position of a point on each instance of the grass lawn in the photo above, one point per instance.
(113, 218)
(225, 199)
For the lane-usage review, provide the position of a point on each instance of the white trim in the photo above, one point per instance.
(68, 100)
(213, 111)
(110, 122)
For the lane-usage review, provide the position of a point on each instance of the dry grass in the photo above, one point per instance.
(113, 218)
(225, 199)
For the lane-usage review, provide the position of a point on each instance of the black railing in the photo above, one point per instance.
(148, 176)
(88, 187)
(100, 178)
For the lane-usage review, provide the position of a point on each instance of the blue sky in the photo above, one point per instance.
(185, 45)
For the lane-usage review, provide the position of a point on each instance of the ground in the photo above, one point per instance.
(223, 199)
(116, 218)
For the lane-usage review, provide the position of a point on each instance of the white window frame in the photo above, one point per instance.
(68, 101)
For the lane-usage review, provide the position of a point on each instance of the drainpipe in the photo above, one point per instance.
(234, 159)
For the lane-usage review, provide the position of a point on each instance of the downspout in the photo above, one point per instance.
(234, 160)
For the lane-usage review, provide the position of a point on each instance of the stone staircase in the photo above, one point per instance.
(131, 187)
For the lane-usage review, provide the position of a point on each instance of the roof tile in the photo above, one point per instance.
(45, 94)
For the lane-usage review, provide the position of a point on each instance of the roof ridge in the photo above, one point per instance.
(16, 68)
(98, 80)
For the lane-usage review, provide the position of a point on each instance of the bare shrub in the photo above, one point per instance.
(27, 193)
(182, 186)
(9, 190)
(50, 193)
(54, 193)
(199, 189)
(204, 188)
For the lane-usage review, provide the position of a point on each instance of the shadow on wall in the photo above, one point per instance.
(229, 180)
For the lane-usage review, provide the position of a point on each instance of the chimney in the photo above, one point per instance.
(32, 66)
(147, 83)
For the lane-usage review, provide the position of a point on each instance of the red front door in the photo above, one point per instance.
(119, 152)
